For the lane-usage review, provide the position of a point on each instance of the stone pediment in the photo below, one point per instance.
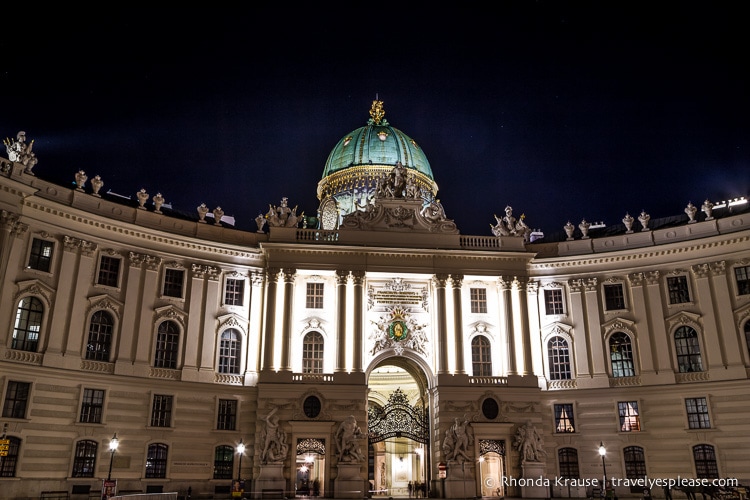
(401, 214)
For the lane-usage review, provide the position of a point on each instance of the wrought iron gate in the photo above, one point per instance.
(398, 419)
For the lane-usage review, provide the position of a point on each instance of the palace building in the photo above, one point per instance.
(371, 350)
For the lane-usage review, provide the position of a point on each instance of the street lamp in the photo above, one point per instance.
(241, 451)
(603, 453)
(113, 444)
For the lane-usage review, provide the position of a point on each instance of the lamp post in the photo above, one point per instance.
(241, 451)
(113, 444)
(603, 453)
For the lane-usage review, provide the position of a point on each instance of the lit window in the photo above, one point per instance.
(564, 419)
(478, 297)
(9, 462)
(553, 302)
(697, 413)
(677, 287)
(314, 296)
(630, 419)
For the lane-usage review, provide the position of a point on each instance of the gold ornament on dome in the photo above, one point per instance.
(376, 112)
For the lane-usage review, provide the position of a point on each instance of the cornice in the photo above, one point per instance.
(127, 229)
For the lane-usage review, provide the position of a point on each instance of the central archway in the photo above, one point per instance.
(398, 429)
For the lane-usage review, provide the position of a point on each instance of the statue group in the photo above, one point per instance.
(529, 443)
(20, 151)
(456, 441)
(275, 447)
(508, 225)
(347, 440)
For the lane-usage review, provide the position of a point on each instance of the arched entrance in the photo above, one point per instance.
(398, 430)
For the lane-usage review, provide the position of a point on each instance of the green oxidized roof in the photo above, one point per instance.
(377, 143)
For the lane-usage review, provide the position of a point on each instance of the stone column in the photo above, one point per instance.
(714, 344)
(535, 336)
(256, 323)
(358, 279)
(439, 280)
(10, 232)
(594, 326)
(193, 335)
(208, 351)
(268, 338)
(582, 348)
(525, 335)
(342, 277)
(506, 325)
(286, 330)
(77, 329)
(146, 328)
(458, 323)
(728, 340)
(125, 353)
(60, 308)
(660, 344)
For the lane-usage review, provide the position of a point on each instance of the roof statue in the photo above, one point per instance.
(508, 225)
(20, 151)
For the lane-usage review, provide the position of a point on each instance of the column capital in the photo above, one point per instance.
(272, 274)
(342, 276)
(457, 280)
(440, 280)
(358, 278)
(289, 274)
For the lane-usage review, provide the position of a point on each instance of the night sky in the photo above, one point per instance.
(563, 110)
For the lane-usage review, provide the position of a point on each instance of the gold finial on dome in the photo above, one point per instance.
(376, 112)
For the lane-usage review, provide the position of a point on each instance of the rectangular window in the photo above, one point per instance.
(630, 419)
(742, 275)
(678, 289)
(553, 302)
(16, 399)
(161, 411)
(314, 296)
(234, 292)
(173, 279)
(564, 419)
(226, 419)
(109, 271)
(92, 406)
(478, 298)
(614, 297)
(697, 413)
(40, 257)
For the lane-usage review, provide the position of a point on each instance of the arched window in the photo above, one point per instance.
(28, 324)
(312, 353)
(688, 350)
(167, 343)
(635, 462)
(9, 462)
(84, 462)
(621, 355)
(230, 351)
(99, 345)
(156, 460)
(223, 462)
(704, 457)
(558, 357)
(567, 458)
(481, 356)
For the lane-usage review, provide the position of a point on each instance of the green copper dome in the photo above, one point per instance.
(363, 157)
(377, 143)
